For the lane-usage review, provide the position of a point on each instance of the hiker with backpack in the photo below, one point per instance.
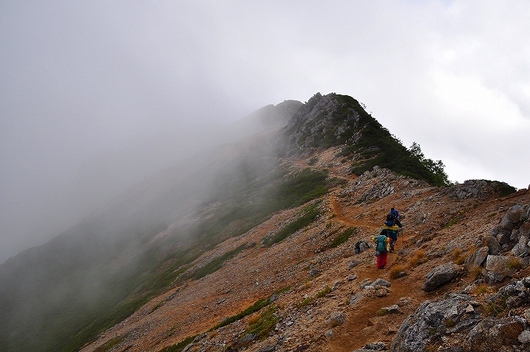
(381, 249)
(392, 233)
(393, 226)
(393, 218)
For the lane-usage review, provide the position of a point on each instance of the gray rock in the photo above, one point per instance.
(336, 319)
(432, 320)
(492, 334)
(355, 298)
(314, 272)
(456, 318)
(374, 346)
(440, 276)
(361, 246)
(381, 282)
(366, 282)
(393, 309)
(354, 263)
(510, 221)
(493, 278)
(524, 337)
(491, 242)
(504, 265)
(521, 249)
(477, 258)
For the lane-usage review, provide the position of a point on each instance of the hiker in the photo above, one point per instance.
(392, 233)
(381, 250)
(393, 218)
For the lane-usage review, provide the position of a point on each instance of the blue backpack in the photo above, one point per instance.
(381, 243)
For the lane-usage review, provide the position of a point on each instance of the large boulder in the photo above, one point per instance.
(493, 334)
(459, 323)
(440, 276)
(512, 220)
(477, 258)
(503, 265)
(431, 321)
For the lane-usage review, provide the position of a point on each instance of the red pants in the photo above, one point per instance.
(381, 260)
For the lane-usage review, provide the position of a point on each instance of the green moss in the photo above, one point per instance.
(217, 263)
(252, 309)
(264, 324)
(323, 292)
(310, 214)
(343, 237)
(179, 346)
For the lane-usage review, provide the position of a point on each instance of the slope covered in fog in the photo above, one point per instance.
(166, 232)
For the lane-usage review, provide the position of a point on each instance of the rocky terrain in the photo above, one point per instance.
(458, 280)
(265, 244)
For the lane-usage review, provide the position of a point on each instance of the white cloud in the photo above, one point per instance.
(85, 79)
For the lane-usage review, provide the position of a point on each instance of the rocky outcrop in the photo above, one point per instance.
(460, 323)
(322, 122)
(514, 230)
(480, 189)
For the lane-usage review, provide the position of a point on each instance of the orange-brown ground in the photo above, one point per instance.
(258, 272)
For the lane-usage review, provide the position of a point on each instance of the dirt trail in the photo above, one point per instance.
(365, 325)
(342, 217)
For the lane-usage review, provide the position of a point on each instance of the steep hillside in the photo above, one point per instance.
(265, 245)
(314, 291)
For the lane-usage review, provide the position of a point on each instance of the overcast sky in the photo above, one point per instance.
(95, 95)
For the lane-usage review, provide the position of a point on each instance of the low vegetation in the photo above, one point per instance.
(376, 146)
(179, 346)
(216, 263)
(264, 323)
(309, 215)
(343, 237)
(419, 257)
(397, 271)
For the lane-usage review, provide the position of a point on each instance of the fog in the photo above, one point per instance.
(97, 96)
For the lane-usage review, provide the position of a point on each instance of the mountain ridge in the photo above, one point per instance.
(281, 176)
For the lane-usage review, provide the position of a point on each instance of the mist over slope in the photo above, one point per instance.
(178, 229)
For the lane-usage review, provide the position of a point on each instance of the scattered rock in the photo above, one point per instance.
(394, 309)
(440, 276)
(354, 263)
(336, 319)
(361, 246)
(355, 298)
(524, 337)
(502, 265)
(477, 258)
(381, 282)
(374, 346)
(314, 272)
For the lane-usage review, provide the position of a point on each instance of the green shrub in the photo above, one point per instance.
(343, 237)
(264, 324)
(323, 292)
(179, 346)
(253, 308)
(310, 214)
(217, 263)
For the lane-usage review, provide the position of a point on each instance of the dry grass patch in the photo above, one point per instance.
(397, 271)
(458, 256)
(481, 289)
(418, 258)
(514, 264)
